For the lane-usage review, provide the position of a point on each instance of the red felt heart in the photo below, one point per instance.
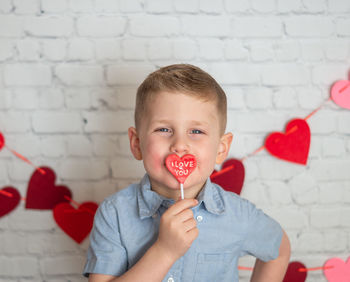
(337, 270)
(42, 193)
(2, 141)
(230, 177)
(76, 223)
(294, 274)
(9, 200)
(340, 93)
(292, 146)
(181, 168)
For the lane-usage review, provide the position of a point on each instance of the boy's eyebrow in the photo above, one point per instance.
(194, 122)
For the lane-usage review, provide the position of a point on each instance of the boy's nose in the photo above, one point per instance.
(179, 146)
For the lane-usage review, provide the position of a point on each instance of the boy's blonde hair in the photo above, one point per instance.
(187, 79)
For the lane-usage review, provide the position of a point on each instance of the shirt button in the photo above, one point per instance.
(171, 279)
(199, 218)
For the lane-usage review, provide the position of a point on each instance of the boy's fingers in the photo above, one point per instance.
(182, 205)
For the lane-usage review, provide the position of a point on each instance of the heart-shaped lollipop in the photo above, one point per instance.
(181, 168)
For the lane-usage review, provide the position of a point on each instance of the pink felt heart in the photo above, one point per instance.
(340, 93)
(76, 223)
(42, 193)
(181, 168)
(294, 274)
(336, 270)
(2, 141)
(230, 177)
(293, 145)
(9, 200)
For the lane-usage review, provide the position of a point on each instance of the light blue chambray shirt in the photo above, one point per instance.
(126, 225)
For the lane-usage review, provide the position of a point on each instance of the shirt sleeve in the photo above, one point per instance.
(106, 254)
(263, 235)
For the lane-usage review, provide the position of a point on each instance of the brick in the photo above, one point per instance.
(131, 6)
(309, 98)
(6, 6)
(304, 189)
(121, 168)
(13, 243)
(82, 169)
(104, 99)
(26, 7)
(107, 49)
(184, 49)
(267, 27)
(325, 217)
(284, 74)
(54, 49)
(328, 74)
(211, 26)
(256, 193)
(343, 123)
(258, 98)
(275, 169)
(53, 6)
(81, 6)
(291, 218)
(235, 98)
(27, 75)
(342, 27)
(287, 51)
(49, 26)
(101, 26)
(234, 50)
(339, 6)
(315, 6)
(108, 122)
(5, 99)
(259, 122)
(80, 75)
(134, 49)
(334, 241)
(25, 98)
(12, 266)
(309, 242)
(11, 26)
(285, 98)
(80, 50)
(187, 6)
(79, 146)
(324, 123)
(279, 192)
(236, 6)
(261, 51)
(333, 147)
(152, 26)
(309, 26)
(51, 99)
(159, 49)
(32, 220)
(53, 147)
(265, 6)
(334, 192)
(104, 146)
(158, 6)
(106, 6)
(211, 49)
(29, 50)
(126, 97)
(55, 122)
(237, 74)
(337, 51)
(210, 7)
(14, 122)
(78, 98)
(312, 50)
(330, 169)
(6, 49)
(127, 74)
(124, 146)
(286, 6)
(62, 265)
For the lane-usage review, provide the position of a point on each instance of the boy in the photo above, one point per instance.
(145, 233)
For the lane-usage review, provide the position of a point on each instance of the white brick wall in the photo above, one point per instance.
(69, 70)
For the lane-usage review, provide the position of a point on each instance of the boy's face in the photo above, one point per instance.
(180, 124)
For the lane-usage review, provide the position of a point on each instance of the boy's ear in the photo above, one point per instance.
(134, 143)
(224, 147)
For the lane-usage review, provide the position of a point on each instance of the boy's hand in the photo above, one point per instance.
(178, 229)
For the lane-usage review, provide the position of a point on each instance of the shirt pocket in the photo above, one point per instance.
(213, 266)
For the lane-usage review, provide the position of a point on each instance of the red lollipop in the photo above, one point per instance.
(181, 168)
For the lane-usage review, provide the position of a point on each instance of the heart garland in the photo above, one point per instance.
(76, 223)
(294, 274)
(42, 194)
(9, 200)
(340, 93)
(336, 270)
(293, 145)
(2, 141)
(231, 176)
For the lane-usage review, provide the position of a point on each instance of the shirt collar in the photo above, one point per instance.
(149, 201)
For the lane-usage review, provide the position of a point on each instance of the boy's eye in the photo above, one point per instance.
(196, 131)
(163, 129)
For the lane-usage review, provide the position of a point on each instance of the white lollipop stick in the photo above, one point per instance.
(182, 191)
